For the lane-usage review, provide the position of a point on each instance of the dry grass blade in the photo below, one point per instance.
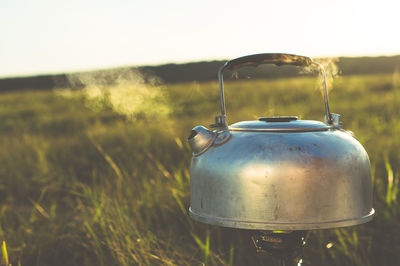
(108, 159)
(40, 209)
(5, 253)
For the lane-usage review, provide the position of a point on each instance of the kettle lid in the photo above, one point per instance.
(280, 124)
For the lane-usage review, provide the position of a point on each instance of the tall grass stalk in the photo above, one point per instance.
(5, 253)
(392, 184)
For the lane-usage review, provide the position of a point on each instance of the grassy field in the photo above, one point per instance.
(100, 176)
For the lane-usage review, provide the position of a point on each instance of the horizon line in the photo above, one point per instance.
(89, 69)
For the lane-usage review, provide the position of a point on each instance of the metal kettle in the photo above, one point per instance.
(278, 173)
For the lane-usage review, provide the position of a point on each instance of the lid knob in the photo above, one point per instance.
(278, 119)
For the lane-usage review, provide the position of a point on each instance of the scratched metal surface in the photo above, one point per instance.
(275, 180)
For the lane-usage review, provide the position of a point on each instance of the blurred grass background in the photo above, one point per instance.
(83, 183)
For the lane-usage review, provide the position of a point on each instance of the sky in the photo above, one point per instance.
(53, 36)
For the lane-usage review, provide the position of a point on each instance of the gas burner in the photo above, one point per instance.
(284, 246)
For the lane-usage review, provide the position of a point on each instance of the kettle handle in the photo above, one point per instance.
(268, 58)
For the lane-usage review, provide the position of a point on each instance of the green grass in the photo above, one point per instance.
(95, 179)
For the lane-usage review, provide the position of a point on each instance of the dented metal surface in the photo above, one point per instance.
(291, 181)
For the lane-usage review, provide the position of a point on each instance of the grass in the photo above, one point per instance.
(87, 180)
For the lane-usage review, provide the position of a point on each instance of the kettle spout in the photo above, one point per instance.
(200, 139)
